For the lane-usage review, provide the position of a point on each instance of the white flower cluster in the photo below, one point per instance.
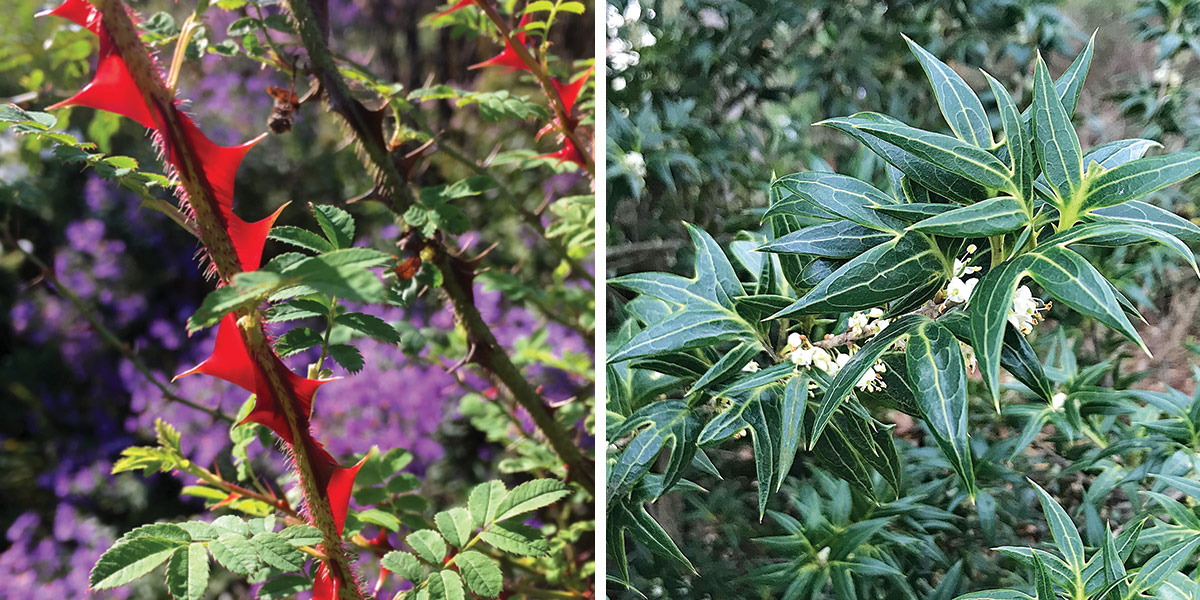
(861, 322)
(623, 45)
(751, 367)
(804, 354)
(1026, 309)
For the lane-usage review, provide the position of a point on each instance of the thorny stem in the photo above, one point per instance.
(366, 125)
(113, 340)
(486, 352)
(543, 79)
(217, 242)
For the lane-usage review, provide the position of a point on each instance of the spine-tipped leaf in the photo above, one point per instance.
(854, 369)
(996, 216)
(961, 107)
(959, 157)
(1135, 179)
(884, 273)
(838, 239)
(844, 196)
(1057, 145)
(939, 378)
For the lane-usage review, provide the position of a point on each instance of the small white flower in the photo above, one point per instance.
(872, 379)
(968, 353)
(878, 325)
(959, 290)
(875, 313)
(751, 367)
(858, 323)
(1058, 400)
(803, 357)
(795, 340)
(1025, 308)
(635, 163)
(961, 268)
(823, 555)
(823, 361)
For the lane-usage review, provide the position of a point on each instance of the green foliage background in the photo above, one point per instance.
(720, 100)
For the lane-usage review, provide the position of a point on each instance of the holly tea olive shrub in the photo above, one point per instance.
(870, 342)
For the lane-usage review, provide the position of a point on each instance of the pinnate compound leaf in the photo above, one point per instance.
(300, 238)
(168, 531)
(404, 564)
(482, 573)
(235, 553)
(939, 378)
(128, 561)
(853, 370)
(302, 535)
(277, 552)
(530, 496)
(1135, 179)
(187, 572)
(961, 107)
(516, 538)
(880, 275)
(1057, 145)
(456, 525)
(369, 325)
(297, 340)
(995, 216)
(445, 585)
(428, 545)
(484, 500)
(336, 223)
(348, 356)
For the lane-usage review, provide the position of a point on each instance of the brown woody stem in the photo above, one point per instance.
(931, 309)
(487, 353)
